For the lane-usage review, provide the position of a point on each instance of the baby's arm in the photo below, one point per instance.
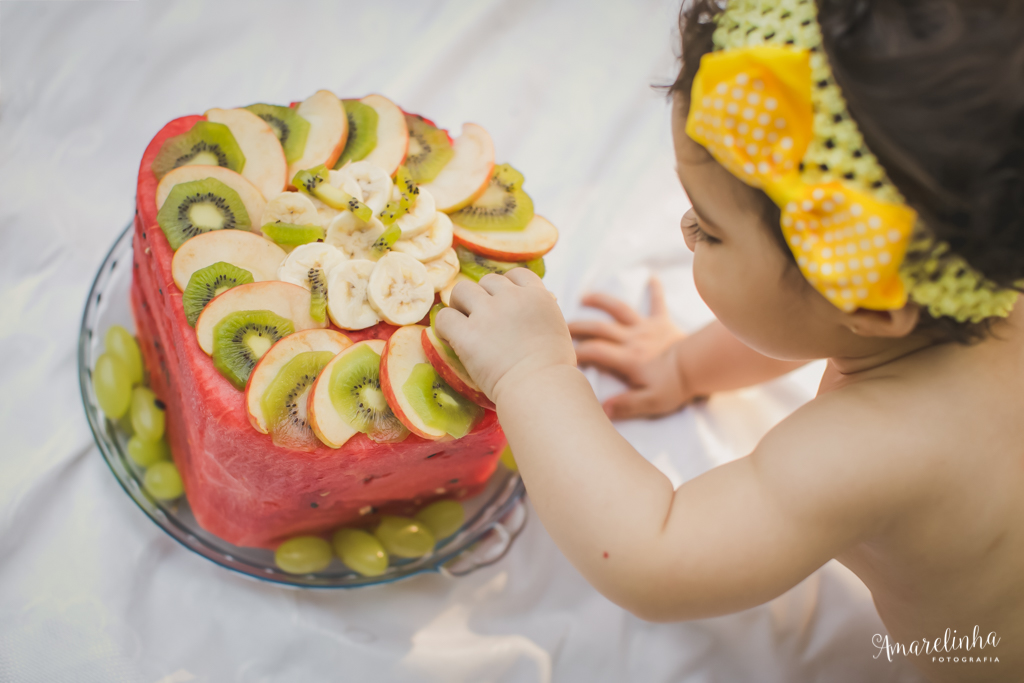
(732, 538)
(664, 368)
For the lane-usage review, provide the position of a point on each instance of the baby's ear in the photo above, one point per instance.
(897, 323)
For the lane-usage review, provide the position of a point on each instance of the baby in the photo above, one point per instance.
(857, 175)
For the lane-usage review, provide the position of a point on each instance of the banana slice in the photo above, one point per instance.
(429, 244)
(293, 208)
(307, 257)
(352, 236)
(442, 270)
(346, 183)
(373, 181)
(399, 289)
(420, 215)
(346, 295)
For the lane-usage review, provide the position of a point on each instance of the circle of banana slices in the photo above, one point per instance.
(363, 286)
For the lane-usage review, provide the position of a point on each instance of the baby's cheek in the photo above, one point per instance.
(710, 276)
(728, 290)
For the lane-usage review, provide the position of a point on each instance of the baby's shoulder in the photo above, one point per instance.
(858, 452)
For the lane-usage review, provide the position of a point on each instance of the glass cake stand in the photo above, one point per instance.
(494, 517)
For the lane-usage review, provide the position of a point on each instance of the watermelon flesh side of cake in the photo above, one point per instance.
(240, 485)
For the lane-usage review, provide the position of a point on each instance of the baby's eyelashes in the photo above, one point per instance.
(691, 228)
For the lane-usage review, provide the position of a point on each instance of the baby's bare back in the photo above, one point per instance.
(949, 570)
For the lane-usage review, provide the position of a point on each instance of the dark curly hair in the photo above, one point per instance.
(937, 90)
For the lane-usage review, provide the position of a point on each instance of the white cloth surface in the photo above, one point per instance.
(91, 590)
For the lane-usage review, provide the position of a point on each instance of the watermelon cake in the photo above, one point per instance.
(286, 263)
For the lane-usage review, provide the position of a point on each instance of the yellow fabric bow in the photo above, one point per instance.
(751, 109)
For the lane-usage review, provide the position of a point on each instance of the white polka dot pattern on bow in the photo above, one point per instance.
(751, 125)
(848, 245)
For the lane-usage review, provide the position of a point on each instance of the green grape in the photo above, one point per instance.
(146, 453)
(360, 551)
(163, 481)
(443, 518)
(110, 381)
(147, 416)
(303, 555)
(508, 460)
(122, 344)
(404, 537)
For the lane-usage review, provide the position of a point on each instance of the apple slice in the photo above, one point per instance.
(535, 240)
(251, 197)
(241, 248)
(277, 357)
(265, 165)
(392, 134)
(452, 370)
(328, 131)
(328, 425)
(282, 298)
(401, 354)
(468, 173)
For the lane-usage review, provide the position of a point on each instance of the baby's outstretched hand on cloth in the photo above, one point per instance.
(644, 352)
(504, 329)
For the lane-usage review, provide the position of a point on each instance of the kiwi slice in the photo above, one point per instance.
(362, 132)
(438, 404)
(502, 206)
(429, 149)
(241, 338)
(407, 191)
(356, 395)
(290, 235)
(384, 243)
(207, 143)
(318, 294)
(476, 266)
(290, 128)
(313, 181)
(207, 283)
(284, 402)
(200, 206)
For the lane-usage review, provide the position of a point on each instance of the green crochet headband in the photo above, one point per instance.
(932, 275)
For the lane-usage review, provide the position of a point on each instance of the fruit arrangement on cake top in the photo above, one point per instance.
(288, 263)
(293, 226)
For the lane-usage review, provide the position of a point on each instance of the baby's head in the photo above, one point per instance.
(936, 89)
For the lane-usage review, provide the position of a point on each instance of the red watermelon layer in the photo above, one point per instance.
(241, 486)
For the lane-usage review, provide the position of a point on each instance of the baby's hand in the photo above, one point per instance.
(505, 328)
(643, 352)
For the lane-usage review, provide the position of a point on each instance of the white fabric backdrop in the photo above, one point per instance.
(91, 590)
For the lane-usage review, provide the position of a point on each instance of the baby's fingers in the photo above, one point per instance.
(524, 277)
(601, 329)
(658, 304)
(617, 309)
(605, 356)
(467, 295)
(450, 322)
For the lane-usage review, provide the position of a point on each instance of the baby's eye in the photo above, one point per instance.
(691, 224)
